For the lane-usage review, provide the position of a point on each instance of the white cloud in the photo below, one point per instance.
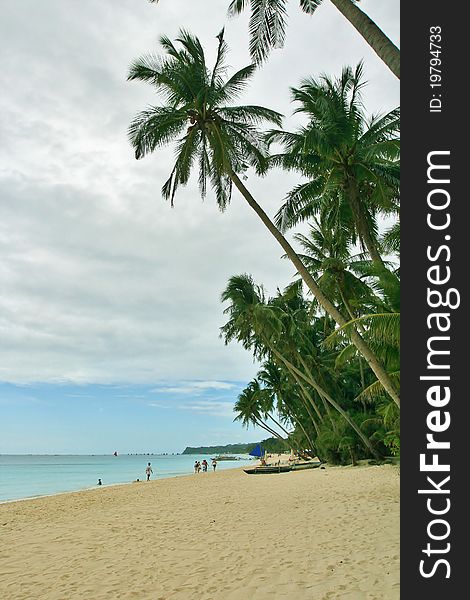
(209, 407)
(194, 387)
(101, 281)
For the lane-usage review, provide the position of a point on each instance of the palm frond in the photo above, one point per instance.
(267, 27)
(233, 87)
(381, 327)
(346, 355)
(300, 204)
(375, 391)
(236, 7)
(155, 127)
(310, 6)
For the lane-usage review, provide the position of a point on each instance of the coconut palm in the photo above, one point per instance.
(288, 402)
(259, 327)
(249, 409)
(223, 139)
(268, 24)
(327, 254)
(351, 162)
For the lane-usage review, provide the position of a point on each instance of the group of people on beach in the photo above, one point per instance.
(197, 467)
(204, 465)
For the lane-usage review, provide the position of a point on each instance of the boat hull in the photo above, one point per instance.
(265, 470)
(303, 466)
(281, 468)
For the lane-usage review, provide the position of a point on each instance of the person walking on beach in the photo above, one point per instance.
(197, 466)
(204, 465)
(148, 471)
(214, 463)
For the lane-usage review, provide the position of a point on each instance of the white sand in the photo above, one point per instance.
(311, 535)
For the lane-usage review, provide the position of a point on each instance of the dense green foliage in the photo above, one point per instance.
(314, 388)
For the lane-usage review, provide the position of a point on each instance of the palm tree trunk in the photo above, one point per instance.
(289, 440)
(362, 228)
(310, 413)
(329, 307)
(266, 427)
(372, 34)
(299, 423)
(311, 381)
(289, 366)
(322, 398)
(278, 424)
(361, 328)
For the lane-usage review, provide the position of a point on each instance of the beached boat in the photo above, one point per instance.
(306, 465)
(226, 457)
(282, 468)
(268, 469)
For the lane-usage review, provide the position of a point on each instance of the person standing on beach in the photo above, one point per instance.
(148, 471)
(214, 463)
(204, 465)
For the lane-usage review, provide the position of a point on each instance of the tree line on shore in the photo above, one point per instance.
(328, 343)
(271, 445)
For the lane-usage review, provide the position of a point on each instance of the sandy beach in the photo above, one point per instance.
(321, 534)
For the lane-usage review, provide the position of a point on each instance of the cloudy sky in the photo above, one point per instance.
(109, 298)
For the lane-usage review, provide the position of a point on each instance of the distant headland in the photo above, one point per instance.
(272, 445)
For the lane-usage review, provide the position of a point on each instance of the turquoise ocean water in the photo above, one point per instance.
(26, 476)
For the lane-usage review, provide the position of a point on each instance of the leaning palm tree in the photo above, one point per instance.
(268, 24)
(259, 327)
(223, 139)
(248, 409)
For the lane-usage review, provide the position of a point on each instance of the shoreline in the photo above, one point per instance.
(103, 486)
(160, 476)
(329, 534)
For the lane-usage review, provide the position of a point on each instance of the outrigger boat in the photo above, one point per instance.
(306, 465)
(268, 469)
(281, 468)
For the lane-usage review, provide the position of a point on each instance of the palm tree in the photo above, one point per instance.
(268, 25)
(223, 140)
(327, 254)
(351, 162)
(249, 409)
(278, 389)
(258, 326)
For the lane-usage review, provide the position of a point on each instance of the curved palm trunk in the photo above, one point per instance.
(356, 339)
(266, 427)
(311, 381)
(372, 34)
(299, 423)
(289, 366)
(278, 424)
(362, 228)
(352, 194)
(322, 397)
(310, 413)
(361, 329)
(289, 441)
(347, 306)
